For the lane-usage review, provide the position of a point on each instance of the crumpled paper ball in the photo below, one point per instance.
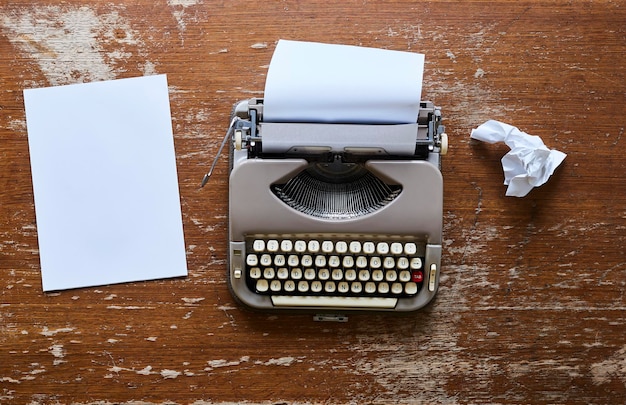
(529, 164)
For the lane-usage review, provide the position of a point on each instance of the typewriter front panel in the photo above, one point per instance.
(399, 244)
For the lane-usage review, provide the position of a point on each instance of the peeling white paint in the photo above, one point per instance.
(225, 363)
(70, 43)
(58, 352)
(129, 307)
(115, 369)
(149, 68)
(170, 374)
(145, 371)
(614, 367)
(17, 125)
(281, 361)
(179, 11)
(192, 301)
(47, 332)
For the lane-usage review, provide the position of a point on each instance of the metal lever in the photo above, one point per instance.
(205, 179)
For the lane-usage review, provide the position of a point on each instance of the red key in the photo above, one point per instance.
(417, 276)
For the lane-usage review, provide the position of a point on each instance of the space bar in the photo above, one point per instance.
(339, 302)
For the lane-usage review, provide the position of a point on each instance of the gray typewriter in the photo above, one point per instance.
(335, 217)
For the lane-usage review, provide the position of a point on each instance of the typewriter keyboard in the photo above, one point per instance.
(341, 269)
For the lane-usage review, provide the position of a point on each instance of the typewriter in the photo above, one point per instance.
(335, 217)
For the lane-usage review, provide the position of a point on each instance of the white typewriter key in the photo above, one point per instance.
(316, 286)
(337, 274)
(350, 275)
(341, 247)
(252, 260)
(262, 285)
(255, 273)
(309, 274)
(303, 286)
(258, 245)
(410, 288)
(410, 248)
(282, 273)
(272, 245)
(404, 276)
(293, 260)
(370, 287)
(383, 288)
(375, 262)
(356, 287)
(296, 273)
(348, 261)
(290, 285)
(275, 285)
(328, 246)
(389, 263)
(355, 247)
(299, 246)
(396, 288)
(391, 275)
(378, 275)
(396, 248)
(266, 260)
(361, 262)
(416, 263)
(330, 287)
(364, 275)
(369, 248)
(382, 248)
(343, 287)
(323, 274)
(334, 261)
(320, 261)
(313, 246)
(279, 260)
(268, 272)
(307, 261)
(286, 245)
(402, 263)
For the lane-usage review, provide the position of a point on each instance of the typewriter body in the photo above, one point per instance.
(335, 217)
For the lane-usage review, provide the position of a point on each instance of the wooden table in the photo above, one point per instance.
(531, 306)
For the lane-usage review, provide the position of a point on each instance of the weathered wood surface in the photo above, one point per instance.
(531, 307)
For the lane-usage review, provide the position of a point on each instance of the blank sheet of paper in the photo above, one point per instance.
(314, 82)
(105, 183)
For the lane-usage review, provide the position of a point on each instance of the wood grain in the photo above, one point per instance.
(531, 306)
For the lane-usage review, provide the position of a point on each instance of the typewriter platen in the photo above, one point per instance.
(335, 217)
